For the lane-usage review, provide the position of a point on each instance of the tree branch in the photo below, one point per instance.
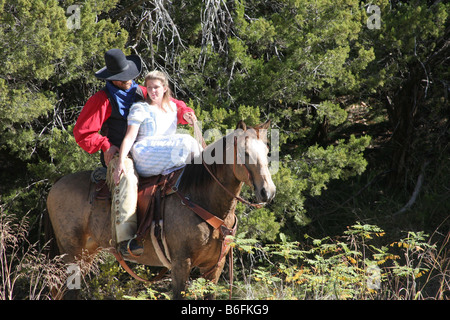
(416, 192)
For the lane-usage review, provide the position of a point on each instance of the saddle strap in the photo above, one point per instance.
(157, 233)
(145, 210)
(226, 242)
(211, 219)
(124, 265)
(149, 202)
(159, 244)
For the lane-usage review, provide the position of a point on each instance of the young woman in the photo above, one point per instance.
(151, 136)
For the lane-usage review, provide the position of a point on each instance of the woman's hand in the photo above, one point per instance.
(125, 148)
(119, 170)
(190, 117)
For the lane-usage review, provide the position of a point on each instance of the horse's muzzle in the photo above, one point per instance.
(266, 195)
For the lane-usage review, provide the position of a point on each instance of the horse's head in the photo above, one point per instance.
(251, 163)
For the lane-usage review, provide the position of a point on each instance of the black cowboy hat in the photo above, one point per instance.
(120, 67)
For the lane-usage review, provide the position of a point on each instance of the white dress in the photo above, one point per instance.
(158, 149)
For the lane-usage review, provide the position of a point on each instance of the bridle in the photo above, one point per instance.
(249, 176)
(199, 138)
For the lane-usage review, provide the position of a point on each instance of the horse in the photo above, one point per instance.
(82, 225)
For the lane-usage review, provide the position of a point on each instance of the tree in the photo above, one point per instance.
(295, 60)
(409, 79)
(47, 74)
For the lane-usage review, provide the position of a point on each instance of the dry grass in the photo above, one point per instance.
(26, 272)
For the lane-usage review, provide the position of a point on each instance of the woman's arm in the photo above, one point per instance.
(127, 143)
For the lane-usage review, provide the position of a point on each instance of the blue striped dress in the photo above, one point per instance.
(158, 148)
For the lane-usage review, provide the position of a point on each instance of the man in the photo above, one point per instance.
(102, 125)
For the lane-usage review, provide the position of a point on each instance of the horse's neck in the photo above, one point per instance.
(225, 200)
(217, 200)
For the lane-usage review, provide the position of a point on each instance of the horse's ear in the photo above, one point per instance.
(241, 125)
(265, 125)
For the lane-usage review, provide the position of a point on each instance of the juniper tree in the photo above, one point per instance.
(47, 75)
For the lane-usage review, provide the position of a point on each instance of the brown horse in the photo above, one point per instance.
(81, 225)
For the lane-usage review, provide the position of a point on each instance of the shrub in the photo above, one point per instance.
(351, 266)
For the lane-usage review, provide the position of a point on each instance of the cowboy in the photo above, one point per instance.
(102, 125)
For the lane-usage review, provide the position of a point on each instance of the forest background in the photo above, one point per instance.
(358, 91)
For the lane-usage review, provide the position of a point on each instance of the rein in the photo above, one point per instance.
(124, 265)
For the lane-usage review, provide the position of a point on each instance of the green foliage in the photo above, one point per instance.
(44, 68)
(409, 71)
(334, 162)
(65, 156)
(260, 223)
(29, 85)
(352, 266)
(20, 109)
(149, 294)
(302, 64)
(199, 288)
(222, 119)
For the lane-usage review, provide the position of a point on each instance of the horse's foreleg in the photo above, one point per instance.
(213, 276)
(180, 275)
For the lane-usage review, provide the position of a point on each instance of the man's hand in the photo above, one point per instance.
(109, 154)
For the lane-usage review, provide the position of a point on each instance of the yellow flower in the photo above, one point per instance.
(297, 275)
(353, 261)
(419, 274)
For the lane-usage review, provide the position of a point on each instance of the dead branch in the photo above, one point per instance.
(216, 21)
(416, 191)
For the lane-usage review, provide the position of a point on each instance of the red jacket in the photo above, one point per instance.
(96, 111)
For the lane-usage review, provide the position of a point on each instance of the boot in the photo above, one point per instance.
(130, 248)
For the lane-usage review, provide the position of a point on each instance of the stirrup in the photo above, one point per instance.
(129, 249)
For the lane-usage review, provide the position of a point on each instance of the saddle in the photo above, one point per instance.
(151, 194)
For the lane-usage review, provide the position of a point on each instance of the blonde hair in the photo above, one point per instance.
(161, 76)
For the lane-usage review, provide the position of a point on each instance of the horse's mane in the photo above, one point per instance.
(195, 174)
